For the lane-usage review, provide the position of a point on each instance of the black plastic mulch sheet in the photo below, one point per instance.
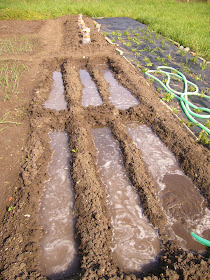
(147, 50)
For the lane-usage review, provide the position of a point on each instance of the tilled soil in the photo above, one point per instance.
(26, 153)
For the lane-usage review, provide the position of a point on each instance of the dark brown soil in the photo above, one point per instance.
(25, 154)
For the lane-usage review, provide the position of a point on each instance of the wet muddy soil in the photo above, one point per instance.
(26, 153)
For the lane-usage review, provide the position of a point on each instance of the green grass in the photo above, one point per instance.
(10, 73)
(186, 23)
(17, 45)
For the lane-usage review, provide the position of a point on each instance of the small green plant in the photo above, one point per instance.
(168, 97)
(191, 88)
(207, 124)
(144, 70)
(182, 52)
(197, 111)
(198, 77)
(113, 40)
(164, 80)
(169, 57)
(135, 40)
(117, 33)
(203, 66)
(134, 50)
(3, 120)
(17, 45)
(150, 80)
(74, 151)
(193, 60)
(160, 59)
(11, 208)
(127, 44)
(204, 138)
(175, 109)
(106, 34)
(126, 33)
(10, 73)
(202, 94)
(188, 124)
(148, 62)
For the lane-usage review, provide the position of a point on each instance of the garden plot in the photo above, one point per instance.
(148, 50)
(21, 229)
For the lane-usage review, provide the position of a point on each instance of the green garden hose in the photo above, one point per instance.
(183, 96)
(201, 240)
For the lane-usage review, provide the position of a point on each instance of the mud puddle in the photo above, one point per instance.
(90, 93)
(59, 249)
(182, 203)
(120, 97)
(135, 243)
(56, 100)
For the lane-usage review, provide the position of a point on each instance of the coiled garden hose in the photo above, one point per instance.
(201, 240)
(183, 96)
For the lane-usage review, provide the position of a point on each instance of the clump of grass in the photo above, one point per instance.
(148, 62)
(204, 138)
(10, 73)
(17, 45)
(3, 120)
(168, 97)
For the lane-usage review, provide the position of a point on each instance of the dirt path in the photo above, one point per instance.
(25, 153)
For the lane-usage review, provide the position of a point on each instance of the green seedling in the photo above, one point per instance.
(198, 77)
(188, 124)
(17, 45)
(113, 40)
(150, 80)
(134, 50)
(106, 34)
(4, 121)
(197, 111)
(175, 109)
(202, 94)
(160, 59)
(204, 138)
(135, 40)
(169, 57)
(11, 208)
(74, 151)
(191, 88)
(137, 54)
(193, 60)
(207, 124)
(168, 97)
(127, 44)
(10, 73)
(164, 80)
(126, 33)
(144, 70)
(203, 66)
(148, 62)
(182, 52)
(117, 33)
